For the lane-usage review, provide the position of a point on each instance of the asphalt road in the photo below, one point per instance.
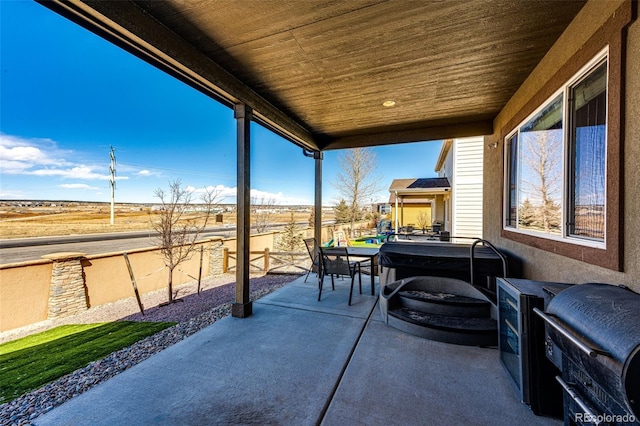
(24, 249)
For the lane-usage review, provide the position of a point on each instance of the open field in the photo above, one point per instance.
(20, 222)
(57, 219)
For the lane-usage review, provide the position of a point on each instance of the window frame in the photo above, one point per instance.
(567, 128)
(571, 157)
(611, 33)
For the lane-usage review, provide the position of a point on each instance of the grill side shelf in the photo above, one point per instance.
(589, 350)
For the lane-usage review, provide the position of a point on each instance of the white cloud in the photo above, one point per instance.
(11, 194)
(266, 197)
(228, 195)
(77, 186)
(78, 172)
(144, 173)
(224, 191)
(42, 157)
(19, 154)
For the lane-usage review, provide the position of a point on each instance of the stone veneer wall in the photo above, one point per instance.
(67, 291)
(216, 255)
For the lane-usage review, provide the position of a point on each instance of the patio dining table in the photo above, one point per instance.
(363, 252)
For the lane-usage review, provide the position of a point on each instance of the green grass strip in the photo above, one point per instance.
(33, 361)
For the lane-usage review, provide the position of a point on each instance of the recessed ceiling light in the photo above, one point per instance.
(389, 104)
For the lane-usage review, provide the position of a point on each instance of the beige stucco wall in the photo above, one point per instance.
(257, 241)
(24, 293)
(107, 277)
(544, 265)
(25, 287)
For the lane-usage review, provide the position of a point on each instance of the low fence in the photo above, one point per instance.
(267, 261)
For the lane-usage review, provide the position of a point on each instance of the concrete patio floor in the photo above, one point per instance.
(298, 361)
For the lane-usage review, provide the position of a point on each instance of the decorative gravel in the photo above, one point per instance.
(192, 314)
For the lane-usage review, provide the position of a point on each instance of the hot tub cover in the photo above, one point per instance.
(439, 259)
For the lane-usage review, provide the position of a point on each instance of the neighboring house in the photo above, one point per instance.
(415, 202)
(460, 161)
(383, 209)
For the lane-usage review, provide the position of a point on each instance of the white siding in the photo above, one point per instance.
(447, 169)
(467, 186)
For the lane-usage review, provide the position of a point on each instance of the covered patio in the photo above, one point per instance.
(339, 75)
(300, 361)
(336, 75)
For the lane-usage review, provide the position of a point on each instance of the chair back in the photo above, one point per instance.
(311, 244)
(335, 261)
(311, 247)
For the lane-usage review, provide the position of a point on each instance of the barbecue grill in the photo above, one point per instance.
(593, 337)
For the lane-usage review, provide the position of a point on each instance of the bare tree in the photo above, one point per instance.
(542, 176)
(423, 220)
(357, 181)
(262, 212)
(180, 224)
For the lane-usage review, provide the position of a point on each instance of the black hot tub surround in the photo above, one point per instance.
(472, 263)
(439, 308)
(442, 291)
(594, 339)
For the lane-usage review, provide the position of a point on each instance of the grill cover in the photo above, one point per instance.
(607, 318)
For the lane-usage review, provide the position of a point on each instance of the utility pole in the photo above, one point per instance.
(113, 182)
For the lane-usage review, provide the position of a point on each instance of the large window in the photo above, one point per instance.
(555, 163)
(587, 148)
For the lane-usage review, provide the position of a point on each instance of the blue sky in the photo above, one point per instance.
(67, 96)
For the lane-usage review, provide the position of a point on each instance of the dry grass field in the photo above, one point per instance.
(88, 218)
(20, 222)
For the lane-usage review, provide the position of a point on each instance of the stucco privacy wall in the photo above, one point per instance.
(107, 276)
(26, 288)
(24, 293)
(544, 265)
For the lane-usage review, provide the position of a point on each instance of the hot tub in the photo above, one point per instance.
(400, 259)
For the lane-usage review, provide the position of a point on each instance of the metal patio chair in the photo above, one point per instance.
(311, 245)
(335, 261)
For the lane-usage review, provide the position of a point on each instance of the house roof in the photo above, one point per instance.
(318, 72)
(419, 184)
(444, 150)
(424, 188)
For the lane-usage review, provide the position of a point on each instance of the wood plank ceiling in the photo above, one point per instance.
(319, 71)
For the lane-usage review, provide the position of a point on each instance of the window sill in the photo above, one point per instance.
(604, 257)
(557, 238)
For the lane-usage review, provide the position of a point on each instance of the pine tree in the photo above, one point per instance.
(290, 238)
(342, 212)
(527, 214)
(312, 218)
